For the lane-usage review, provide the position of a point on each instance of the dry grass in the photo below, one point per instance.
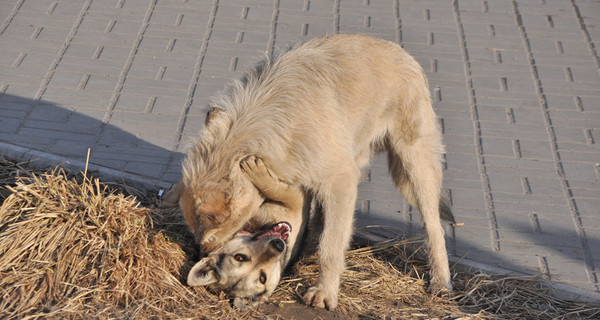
(71, 247)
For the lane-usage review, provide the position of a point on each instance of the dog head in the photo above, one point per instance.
(248, 267)
(215, 208)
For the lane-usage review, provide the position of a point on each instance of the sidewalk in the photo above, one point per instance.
(516, 85)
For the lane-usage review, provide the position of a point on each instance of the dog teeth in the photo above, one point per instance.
(284, 225)
(282, 230)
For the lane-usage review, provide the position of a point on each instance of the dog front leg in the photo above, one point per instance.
(338, 210)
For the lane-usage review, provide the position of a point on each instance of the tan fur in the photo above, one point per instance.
(316, 114)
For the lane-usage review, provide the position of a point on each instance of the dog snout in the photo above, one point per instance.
(277, 244)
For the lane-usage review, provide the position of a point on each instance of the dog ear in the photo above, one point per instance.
(203, 273)
(171, 199)
(211, 114)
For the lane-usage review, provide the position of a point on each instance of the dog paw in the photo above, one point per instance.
(244, 304)
(321, 298)
(439, 288)
(211, 241)
(257, 172)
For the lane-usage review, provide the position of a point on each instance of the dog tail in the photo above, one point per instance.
(445, 211)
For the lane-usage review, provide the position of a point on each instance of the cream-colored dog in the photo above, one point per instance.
(316, 114)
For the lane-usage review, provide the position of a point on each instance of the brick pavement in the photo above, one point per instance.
(516, 85)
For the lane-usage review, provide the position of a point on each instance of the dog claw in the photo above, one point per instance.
(320, 298)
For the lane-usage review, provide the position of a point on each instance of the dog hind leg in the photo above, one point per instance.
(415, 167)
(419, 184)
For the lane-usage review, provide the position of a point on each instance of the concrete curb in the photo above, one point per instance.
(40, 159)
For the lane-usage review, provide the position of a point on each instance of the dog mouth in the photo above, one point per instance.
(281, 230)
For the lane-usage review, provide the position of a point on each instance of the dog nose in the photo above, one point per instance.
(277, 244)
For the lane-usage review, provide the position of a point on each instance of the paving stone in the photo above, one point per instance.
(9, 124)
(56, 132)
(514, 84)
(144, 168)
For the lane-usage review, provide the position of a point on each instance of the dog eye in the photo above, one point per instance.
(262, 278)
(241, 257)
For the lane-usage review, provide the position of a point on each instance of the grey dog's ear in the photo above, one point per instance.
(203, 273)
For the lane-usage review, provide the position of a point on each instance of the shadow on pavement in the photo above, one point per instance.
(65, 134)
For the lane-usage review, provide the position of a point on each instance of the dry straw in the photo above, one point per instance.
(71, 247)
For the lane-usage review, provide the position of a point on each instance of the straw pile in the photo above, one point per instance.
(71, 247)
